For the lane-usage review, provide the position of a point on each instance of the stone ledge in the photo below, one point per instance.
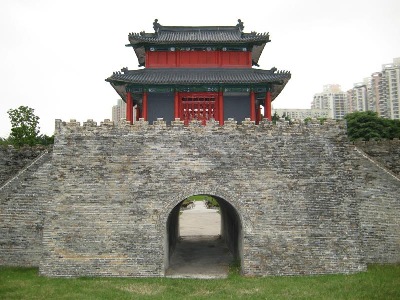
(373, 142)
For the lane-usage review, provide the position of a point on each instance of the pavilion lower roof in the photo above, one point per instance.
(179, 76)
(225, 77)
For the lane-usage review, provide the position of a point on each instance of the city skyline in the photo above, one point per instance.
(379, 93)
(56, 54)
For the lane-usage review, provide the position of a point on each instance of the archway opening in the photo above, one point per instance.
(204, 236)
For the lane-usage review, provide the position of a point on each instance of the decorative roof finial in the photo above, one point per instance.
(156, 26)
(240, 25)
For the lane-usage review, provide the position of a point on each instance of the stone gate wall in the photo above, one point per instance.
(114, 188)
(308, 203)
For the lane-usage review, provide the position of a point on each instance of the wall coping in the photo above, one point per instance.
(211, 125)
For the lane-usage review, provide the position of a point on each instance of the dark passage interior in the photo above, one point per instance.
(202, 253)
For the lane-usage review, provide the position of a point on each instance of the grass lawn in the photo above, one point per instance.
(379, 282)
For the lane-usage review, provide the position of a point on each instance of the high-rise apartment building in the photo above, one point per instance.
(358, 98)
(376, 101)
(380, 92)
(391, 88)
(118, 111)
(333, 99)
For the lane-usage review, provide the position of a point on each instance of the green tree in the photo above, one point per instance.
(3, 141)
(24, 126)
(393, 128)
(287, 118)
(307, 120)
(368, 125)
(275, 118)
(322, 120)
(45, 140)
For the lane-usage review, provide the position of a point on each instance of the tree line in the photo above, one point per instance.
(362, 125)
(368, 125)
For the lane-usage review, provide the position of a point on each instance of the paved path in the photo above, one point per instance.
(200, 221)
(200, 253)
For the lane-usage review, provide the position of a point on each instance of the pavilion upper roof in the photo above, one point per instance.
(223, 36)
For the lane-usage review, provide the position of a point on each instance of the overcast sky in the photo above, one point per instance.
(55, 55)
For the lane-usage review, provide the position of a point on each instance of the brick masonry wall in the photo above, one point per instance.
(378, 191)
(386, 152)
(114, 188)
(13, 160)
(21, 206)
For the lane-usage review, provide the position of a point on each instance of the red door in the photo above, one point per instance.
(198, 106)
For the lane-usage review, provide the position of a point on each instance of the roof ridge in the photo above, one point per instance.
(158, 27)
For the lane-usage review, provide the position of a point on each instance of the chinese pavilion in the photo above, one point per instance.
(198, 73)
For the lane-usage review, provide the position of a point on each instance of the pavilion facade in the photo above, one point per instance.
(198, 73)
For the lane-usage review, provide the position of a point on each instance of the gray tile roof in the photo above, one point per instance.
(187, 76)
(198, 37)
(223, 36)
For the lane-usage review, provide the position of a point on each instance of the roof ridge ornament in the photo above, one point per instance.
(156, 26)
(240, 25)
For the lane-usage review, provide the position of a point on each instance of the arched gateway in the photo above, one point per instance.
(231, 229)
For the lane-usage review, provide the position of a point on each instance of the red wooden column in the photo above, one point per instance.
(176, 105)
(267, 106)
(258, 114)
(220, 107)
(129, 107)
(252, 106)
(137, 112)
(144, 106)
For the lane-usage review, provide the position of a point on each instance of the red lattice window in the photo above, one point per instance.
(201, 107)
